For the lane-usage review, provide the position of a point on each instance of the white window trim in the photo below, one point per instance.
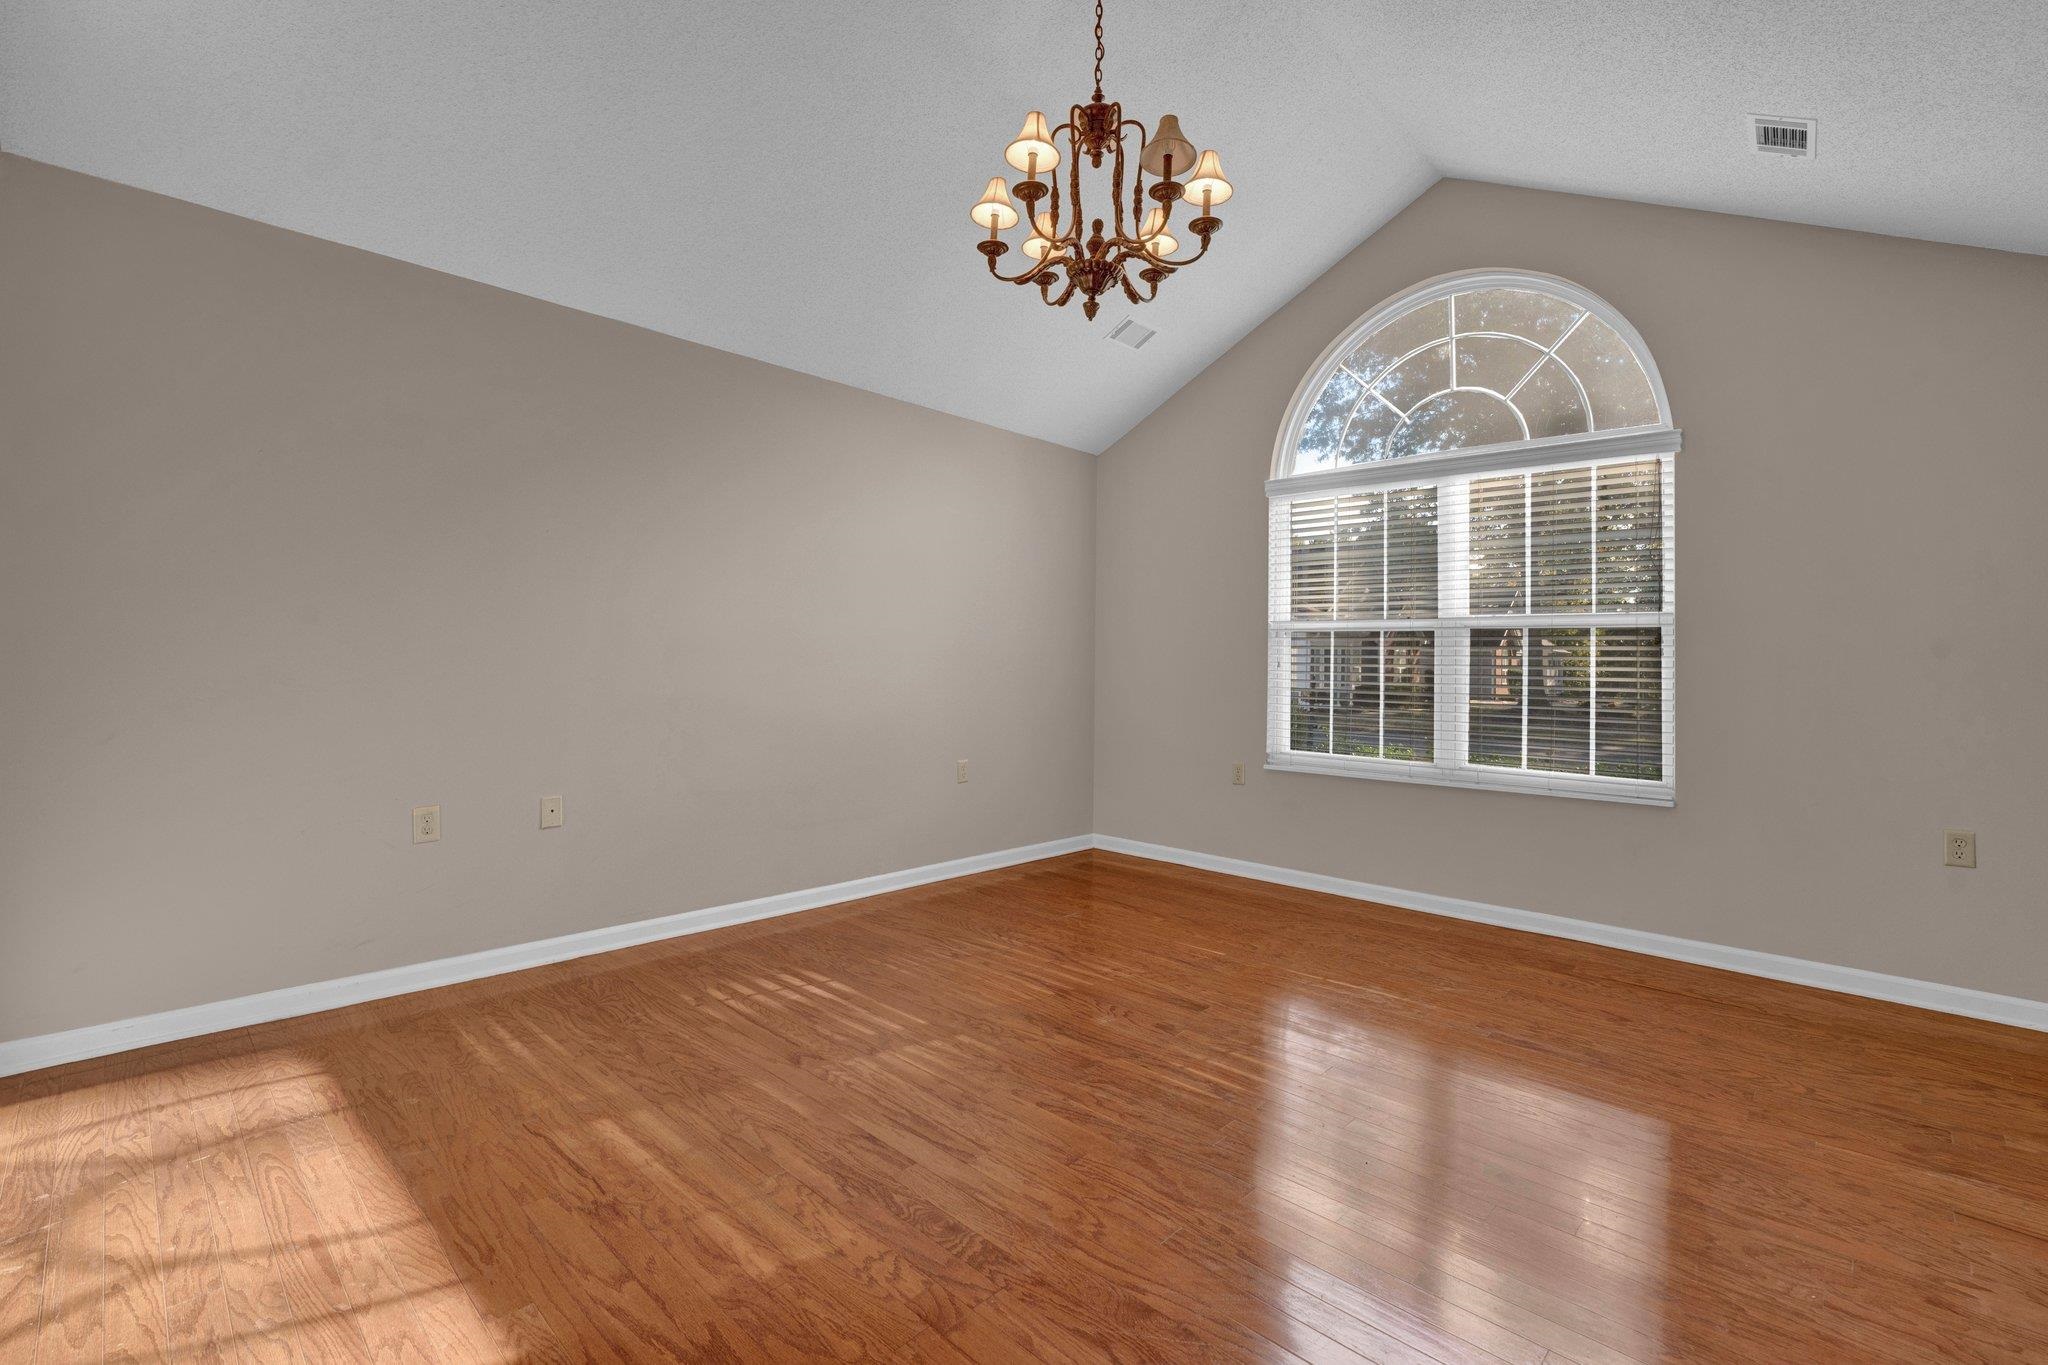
(1448, 470)
(1509, 458)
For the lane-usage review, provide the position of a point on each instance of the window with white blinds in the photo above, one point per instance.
(1449, 606)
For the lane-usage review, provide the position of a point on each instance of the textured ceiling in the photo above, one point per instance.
(1933, 114)
(790, 180)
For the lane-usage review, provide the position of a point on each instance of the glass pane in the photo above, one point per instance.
(1416, 327)
(1417, 377)
(1372, 428)
(1561, 540)
(1312, 570)
(1629, 724)
(1324, 426)
(1614, 378)
(1411, 552)
(1503, 345)
(1361, 554)
(1451, 421)
(1494, 732)
(1410, 686)
(1497, 546)
(1308, 699)
(1630, 530)
(1495, 363)
(1518, 312)
(1559, 695)
(1550, 403)
(1356, 723)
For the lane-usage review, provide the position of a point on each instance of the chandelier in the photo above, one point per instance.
(1065, 260)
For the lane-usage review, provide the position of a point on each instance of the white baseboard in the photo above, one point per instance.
(122, 1035)
(1928, 995)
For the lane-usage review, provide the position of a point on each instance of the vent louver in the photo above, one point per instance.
(1777, 136)
(1132, 333)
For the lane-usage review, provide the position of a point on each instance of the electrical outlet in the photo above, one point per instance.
(426, 824)
(1237, 774)
(551, 812)
(1959, 848)
(960, 771)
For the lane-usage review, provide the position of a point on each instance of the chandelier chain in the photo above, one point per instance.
(1098, 51)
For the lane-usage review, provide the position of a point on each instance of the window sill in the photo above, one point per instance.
(1629, 791)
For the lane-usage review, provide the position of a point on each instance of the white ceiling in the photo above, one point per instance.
(790, 179)
(1933, 113)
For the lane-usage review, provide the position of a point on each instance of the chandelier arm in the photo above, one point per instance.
(1038, 267)
(1168, 261)
(1073, 126)
(1116, 187)
(1137, 181)
(1073, 148)
(1174, 264)
(1052, 207)
(1187, 260)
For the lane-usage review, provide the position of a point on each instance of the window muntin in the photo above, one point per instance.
(1472, 571)
(1481, 366)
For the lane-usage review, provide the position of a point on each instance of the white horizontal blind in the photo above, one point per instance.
(1360, 565)
(1491, 629)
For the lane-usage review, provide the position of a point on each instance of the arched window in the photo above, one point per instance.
(1471, 533)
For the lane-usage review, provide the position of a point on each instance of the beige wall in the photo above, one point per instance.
(1862, 559)
(294, 537)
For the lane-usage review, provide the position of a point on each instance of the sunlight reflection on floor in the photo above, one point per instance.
(1493, 1194)
(246, 1208)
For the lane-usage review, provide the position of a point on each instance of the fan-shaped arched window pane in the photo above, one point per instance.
(1482, 367)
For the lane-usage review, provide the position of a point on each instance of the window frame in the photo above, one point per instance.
(1451, 629)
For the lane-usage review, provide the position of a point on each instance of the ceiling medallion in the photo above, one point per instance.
(1063, 260)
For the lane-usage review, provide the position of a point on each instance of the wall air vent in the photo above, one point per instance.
(1132, 333)
(1776, 136)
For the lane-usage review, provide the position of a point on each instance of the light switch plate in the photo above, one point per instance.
(551, 812)
(426, 824)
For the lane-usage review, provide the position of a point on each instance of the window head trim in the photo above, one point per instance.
(1287, 441)
(1543, 453)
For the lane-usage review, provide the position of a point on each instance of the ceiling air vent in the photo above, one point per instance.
(1776, 136)
(1132, 333)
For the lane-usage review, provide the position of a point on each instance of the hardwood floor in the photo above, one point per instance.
(1089, 1109)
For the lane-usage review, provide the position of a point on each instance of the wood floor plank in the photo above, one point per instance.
(137, 1324)
(1088, 1109)
(21, 1295)
(68, 1171)
(199, 1321)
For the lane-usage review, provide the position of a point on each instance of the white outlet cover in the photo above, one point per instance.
(426, 824)
(1958, 848)
(551, 812)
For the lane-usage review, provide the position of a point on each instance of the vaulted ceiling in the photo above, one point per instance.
(789, 179)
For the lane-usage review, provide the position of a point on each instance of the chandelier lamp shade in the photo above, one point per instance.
(1071, 251)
